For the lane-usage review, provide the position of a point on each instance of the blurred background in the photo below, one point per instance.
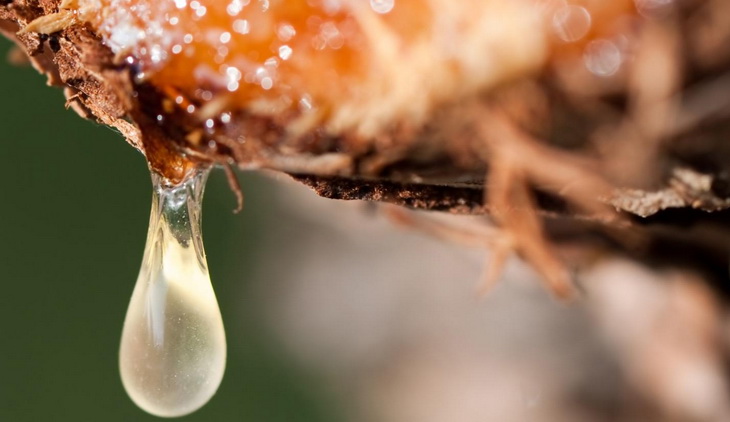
(72, 222)
(332, 312)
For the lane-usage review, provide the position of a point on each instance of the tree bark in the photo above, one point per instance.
(644, 152)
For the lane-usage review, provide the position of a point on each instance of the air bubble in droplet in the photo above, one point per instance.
(174, 197)
(173, 349)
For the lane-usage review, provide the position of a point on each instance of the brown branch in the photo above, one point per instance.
(558, 139)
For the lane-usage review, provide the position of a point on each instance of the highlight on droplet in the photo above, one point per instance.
(173, 348)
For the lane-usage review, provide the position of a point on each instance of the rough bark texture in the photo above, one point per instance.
(639, 131)
(561, 141)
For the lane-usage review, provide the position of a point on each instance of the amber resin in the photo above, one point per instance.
(350, 65)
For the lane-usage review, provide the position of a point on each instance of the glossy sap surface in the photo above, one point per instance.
(173, 350)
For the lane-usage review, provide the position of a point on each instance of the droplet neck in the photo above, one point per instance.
(173, 349)
(178, 208)
(174, 248)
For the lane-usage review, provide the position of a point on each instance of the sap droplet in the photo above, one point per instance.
(305, 103)
(241, 26)
(235, 7)
(571, 23)
(331, 35)
(173, 350)
(285, 32)
(206, 95)
(602, 57)
(382, 6)
(654, 8)
(285, 52)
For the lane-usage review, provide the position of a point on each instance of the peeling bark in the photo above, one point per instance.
(611, 152)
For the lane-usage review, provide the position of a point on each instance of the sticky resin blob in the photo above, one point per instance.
(173, 350)
(342, 64)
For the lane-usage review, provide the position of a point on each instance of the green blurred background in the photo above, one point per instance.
(73, 222)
